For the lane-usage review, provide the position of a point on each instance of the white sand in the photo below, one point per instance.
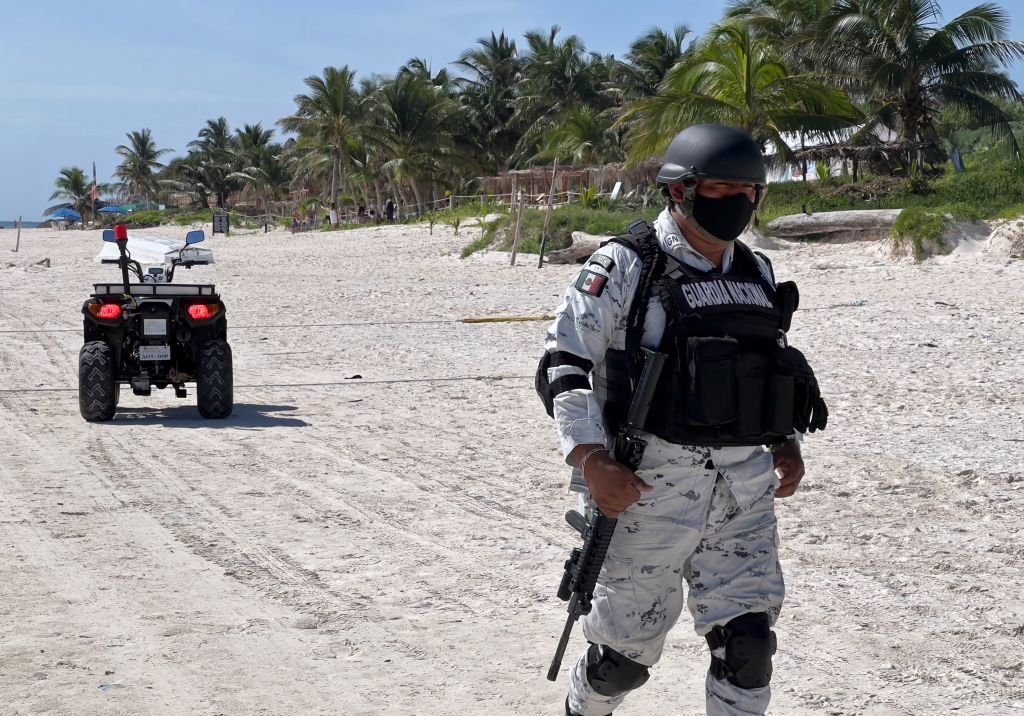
(395, 547)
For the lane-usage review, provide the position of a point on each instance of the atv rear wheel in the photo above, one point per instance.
(97, 389)
(214, 381)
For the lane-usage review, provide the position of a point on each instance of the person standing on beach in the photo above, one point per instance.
(720, 441)
(389, 211)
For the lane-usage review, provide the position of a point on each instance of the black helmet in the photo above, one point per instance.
(712, 151)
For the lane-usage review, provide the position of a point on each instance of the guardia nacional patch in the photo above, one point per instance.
(591, 283)
(605, 262)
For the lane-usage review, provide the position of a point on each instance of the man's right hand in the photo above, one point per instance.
(613, 486)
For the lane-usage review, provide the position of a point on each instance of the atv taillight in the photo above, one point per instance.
(106, 311)
(203, 311)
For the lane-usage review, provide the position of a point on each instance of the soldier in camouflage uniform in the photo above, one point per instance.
(702, 514)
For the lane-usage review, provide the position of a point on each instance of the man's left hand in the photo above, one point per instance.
(789, 463)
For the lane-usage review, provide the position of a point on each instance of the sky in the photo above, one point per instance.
(76, 77)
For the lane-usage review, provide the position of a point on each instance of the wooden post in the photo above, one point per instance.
(17, 242)
(519, 227)
(547, 217)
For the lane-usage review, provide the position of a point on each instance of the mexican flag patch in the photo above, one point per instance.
(591, 283)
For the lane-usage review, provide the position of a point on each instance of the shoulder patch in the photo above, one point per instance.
(605, 262)
(591, 283)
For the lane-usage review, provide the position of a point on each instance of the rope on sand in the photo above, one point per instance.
(506, 319)
(346, 382)
(474, 319)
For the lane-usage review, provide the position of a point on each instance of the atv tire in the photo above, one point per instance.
(214, 381)
(97, 388)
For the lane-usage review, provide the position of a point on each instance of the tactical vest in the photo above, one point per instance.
(730, 378)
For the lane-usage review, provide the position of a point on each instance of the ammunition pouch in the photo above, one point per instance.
(722, 392)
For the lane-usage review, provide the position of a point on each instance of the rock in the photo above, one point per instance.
(306, 622)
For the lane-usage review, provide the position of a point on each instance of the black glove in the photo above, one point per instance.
(810, 413)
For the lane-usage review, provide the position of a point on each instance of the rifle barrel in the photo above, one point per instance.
(563, 641)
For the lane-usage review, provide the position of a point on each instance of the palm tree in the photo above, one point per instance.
(268, 177)
(739, 79)
(329, 116)
(893, 55)
(488, 95)
(216, 150)
(141, 159)
(186, 174)
(792, 27)
(253, 138)
(74, 190)
(412, 126)
(557, 78)
(419, 67)
(257, 158)
(584, 137)
(792, 24)
(649, 59)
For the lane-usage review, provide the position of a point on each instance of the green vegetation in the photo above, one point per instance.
(564, 221)
(922, 230)
(991, 188)
(887, 83)
(992, 185)
(143, 219)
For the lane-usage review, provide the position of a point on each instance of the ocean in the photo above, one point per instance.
(24, 224)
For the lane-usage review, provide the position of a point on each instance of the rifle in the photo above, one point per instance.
(584, 563)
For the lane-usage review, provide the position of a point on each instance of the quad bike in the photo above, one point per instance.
(152, 334)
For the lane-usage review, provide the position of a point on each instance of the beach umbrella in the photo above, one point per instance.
(112, 210)
(70, 214)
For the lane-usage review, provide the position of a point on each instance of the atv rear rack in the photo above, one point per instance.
(155, 289)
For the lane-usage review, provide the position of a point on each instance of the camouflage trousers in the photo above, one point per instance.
(689, 528)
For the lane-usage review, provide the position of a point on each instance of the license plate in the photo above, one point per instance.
(154, 327)
(154, 352)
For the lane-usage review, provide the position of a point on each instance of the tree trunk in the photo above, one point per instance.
(335, 178)
(583, 245)
(416, 193)
(803, 162)
(377, 184)
(827, 222)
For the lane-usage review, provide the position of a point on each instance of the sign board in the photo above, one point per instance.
(221, 222)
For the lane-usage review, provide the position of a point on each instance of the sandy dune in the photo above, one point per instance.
(373, 546)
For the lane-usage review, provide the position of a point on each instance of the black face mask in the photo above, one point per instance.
(724, 218)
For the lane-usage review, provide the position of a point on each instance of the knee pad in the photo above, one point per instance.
(742, 650)
(612, 674)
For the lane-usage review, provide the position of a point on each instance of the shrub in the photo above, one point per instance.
(143, 219)
(564, 220)
(922, 230)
